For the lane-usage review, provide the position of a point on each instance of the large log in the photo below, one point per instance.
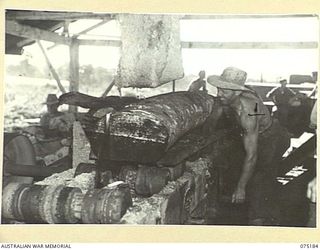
(143, 132)
(189, 145)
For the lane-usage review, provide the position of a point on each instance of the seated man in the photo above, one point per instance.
(53, 134)
(264, 142)
(199, 83)
(55, 123)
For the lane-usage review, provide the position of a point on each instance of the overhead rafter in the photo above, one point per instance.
(62, 15)
(249, 45)
(28, 41)
(85, 31)
(111, 43)
(52, 15)
(16, 29)
(215, 16)
(218, 45)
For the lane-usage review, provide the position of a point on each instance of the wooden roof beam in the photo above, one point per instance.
(243, 16)
(16, 29)
(52, 15)
(111, 43)
(59, 15)
(28, 41)
(84, 31)
(249, 45)
(218, 45)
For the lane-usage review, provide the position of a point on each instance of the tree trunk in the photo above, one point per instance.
(143, 132)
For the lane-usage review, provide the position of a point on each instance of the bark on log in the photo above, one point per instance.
(143, 132)
(91, 102)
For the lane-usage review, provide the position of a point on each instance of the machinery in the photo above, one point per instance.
(153, 160)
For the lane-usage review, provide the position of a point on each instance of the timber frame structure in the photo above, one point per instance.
(24, 27)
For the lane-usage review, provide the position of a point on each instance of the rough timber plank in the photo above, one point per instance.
(81, 146)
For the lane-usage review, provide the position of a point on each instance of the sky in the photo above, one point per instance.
(270, 63)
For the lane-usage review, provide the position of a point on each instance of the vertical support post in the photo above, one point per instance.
(74, 69)
(174, 86)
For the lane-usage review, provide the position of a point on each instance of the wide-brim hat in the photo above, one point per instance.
(231, 78)
(283, 81)
(51, 99)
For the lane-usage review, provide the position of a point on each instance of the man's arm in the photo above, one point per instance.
(312, 190)
(291, 91)
(204, 86)
(250, 141)
(271, 93)
(44, 121)
(193, 86)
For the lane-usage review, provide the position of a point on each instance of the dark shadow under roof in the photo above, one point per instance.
(44, 20)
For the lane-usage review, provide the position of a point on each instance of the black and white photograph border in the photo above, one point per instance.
(146, 119)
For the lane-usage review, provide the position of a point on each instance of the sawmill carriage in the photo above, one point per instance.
(163, 148)
(152, 165)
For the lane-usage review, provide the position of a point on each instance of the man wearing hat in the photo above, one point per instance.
(281, 96)
(264, 142)
(52, 103)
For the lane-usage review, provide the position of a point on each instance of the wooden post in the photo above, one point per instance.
(174, 86)
(74, 69)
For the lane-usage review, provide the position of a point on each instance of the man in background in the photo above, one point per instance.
(281, 96)
(199, 83)
(51, 140)
(54, 123)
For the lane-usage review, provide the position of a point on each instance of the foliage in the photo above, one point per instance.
(24, 68)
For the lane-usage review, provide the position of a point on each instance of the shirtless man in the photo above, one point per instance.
(264, 141)
(199, 83)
